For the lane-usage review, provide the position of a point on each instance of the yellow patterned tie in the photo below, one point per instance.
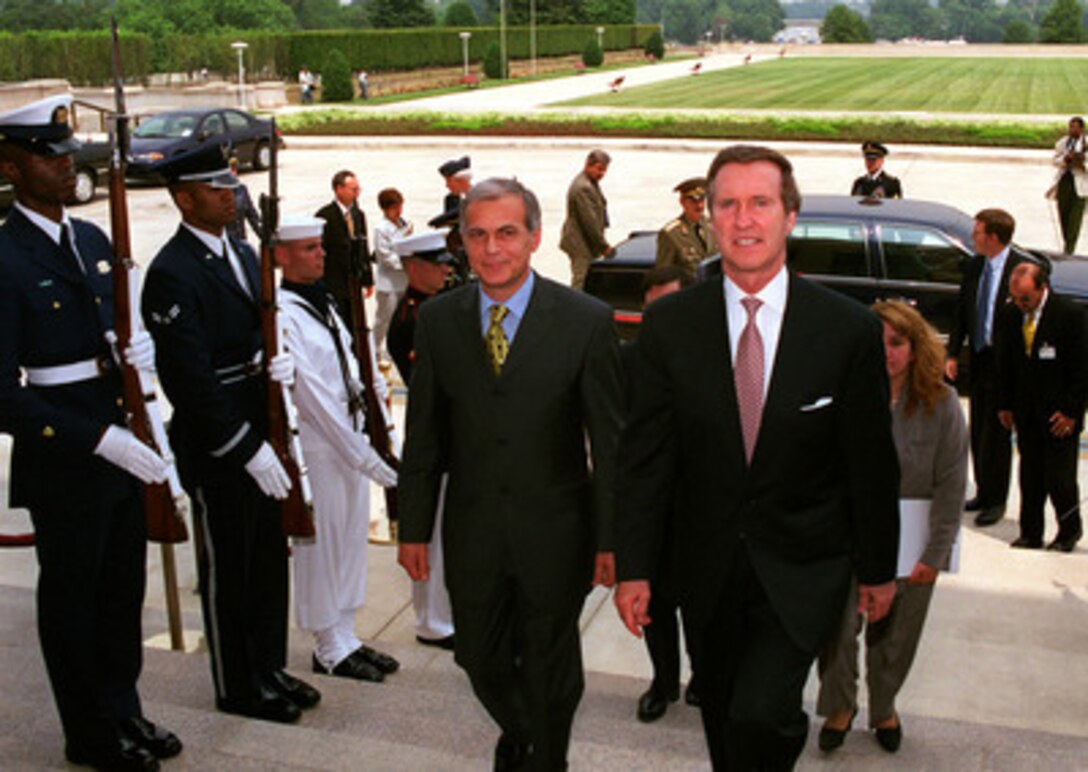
(1029, 334)
(497, 345)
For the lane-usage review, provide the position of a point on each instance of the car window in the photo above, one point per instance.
(236, 121)
(828, 248)
(167, 125)
(918, 253)
(213, 125)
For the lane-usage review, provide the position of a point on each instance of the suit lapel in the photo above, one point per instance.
(532, 328)
(215, 264)
(472, 340)
(45, 252)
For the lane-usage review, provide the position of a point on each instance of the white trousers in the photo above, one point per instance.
(431, 601)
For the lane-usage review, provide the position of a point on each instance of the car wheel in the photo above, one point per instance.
(262, 156)
(85, 182)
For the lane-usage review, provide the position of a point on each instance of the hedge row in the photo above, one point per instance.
(83, 57)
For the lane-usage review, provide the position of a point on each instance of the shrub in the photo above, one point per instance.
(655, 45)
(592, 55)
(1017, 32)
(336, 79)
(460, 14)
(493, 61)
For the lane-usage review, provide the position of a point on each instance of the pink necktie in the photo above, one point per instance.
(748, 377)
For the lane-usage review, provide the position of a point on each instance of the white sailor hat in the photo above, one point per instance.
(207, 164)
(429, 246)
(41, 127)
(296, 227)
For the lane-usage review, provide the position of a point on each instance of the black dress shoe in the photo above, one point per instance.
(1066, 543)
(159, 742)
(383, 662)
(441, 643)
(830, 739)
(351, 666)
(298, 692)
(267, 707)
(990, 515)
(654, 702)
(972, 505)
(121, 756)
(511, 754)
(1027, 544)
(890, 738)
(691, 694)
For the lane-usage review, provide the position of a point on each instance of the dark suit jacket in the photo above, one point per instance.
(1055, 377)
(819, 501)
(203, 321)
(523, 499)
(51, 313)
(884, 186)
(964, 321)
(337, 245)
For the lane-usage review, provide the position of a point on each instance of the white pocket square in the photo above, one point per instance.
(819, 404)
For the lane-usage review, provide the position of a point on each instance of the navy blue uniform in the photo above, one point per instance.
(87, 515)
(207, 337)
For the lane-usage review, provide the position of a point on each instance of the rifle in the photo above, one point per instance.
(164, 503)
(378, 422)
(298, 507)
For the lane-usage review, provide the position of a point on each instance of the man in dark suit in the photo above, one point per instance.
(74, 464)
(1044, 385)
(457, 173)
(984, 291)
(876, 183)
(345, 229)
(200, 303)
(512, 375)
(760, 434)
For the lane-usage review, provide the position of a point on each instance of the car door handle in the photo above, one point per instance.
(912, 302)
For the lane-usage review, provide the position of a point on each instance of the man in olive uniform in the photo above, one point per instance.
(583, 236)
(687, 240)
(876, 183)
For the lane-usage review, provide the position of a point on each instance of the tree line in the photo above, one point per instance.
(976, 21)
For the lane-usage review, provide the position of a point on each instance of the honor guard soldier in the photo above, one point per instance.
(330, 572)
(200, 303)
(458, 176)
(427, 260)
(876, 183)
(449, 223)
(687, 240)
(74, 465)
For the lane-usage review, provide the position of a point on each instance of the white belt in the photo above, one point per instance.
(59, 375)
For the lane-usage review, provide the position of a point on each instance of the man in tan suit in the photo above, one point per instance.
(587, 218)
(687, 240)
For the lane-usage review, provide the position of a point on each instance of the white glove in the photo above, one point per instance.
(269, 473)
(121, 448)
(140, 352)
(281, 369)
(379, 471)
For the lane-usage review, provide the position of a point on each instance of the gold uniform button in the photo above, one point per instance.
(120, 402)
(56, 305)
(48, 432)
(97, 300)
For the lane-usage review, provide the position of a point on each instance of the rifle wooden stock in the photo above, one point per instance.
(164, 503)
(298, 507)
(377, 420)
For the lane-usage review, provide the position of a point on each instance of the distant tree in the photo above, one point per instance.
(1061, 23)
(655, 45)
(897, 19)
(23, 15)
(389, 14)
(592, 55)
(841, 25)
(355, 15)
(1018, 32)
(253, 14)
(336, 76)
(685, 20)
(609, 11)
(976, 21)
(316, 14)
(493, 61)
(755, 19)
(460, 14)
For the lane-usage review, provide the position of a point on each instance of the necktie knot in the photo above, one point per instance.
(497, 344)
(751, 306)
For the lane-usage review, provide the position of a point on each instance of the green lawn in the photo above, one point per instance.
(967, 85)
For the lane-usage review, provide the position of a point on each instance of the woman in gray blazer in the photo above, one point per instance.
(931, 442)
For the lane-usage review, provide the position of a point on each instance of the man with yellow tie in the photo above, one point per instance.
(345, 230)
(512, 376)
(1044, 384)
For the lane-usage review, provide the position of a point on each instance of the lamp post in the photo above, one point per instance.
(600, 38)
(464, 49)
(240, 46)
(532, 34)
(502, 38)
